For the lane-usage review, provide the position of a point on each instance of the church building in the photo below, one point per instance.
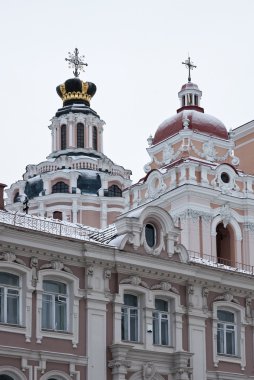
(105, 279)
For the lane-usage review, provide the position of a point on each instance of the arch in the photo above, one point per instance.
(57, 375)
(63, 136)
(11, 373)
(225, 249)
(233, 222)
(95, 138)
(80, 135)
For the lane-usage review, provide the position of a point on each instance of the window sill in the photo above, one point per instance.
(13, 328)
(229, 359)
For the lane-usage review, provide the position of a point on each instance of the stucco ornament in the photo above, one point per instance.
(56, 265)
(11, 258)
(166, 286)
(148, 372)
(134, 280)
(228, 297)
(155, 185)
(186, 123)
(225, 214)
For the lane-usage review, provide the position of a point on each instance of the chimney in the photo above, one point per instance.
(2, 186)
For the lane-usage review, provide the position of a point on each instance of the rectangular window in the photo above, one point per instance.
(226, 333)
(130, 318)
(161, 323)
(9, 298)
(54, 306)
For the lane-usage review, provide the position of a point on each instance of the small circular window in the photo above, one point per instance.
(225, 177)
(150, 235)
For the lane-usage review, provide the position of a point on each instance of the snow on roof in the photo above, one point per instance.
(62, 228)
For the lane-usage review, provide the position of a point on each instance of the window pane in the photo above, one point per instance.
(124, 324)
(54, 287)
(9, 279)
(47, 311)
(133, 325)
(12, 306)
(220, 341)
(130, 300)
(230, 342)
(80, 135)
(226, 316)
(156, 329)
(164, 332)
(161, 305)
(1, 304)
(61, 315)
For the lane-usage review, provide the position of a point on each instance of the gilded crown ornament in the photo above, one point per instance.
(74, 90)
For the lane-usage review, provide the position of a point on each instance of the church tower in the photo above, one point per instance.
(77, 182)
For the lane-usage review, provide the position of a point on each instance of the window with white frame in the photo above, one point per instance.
(226, 333)
(9, 298)
(161, 323)
(130, 318)
(54, 306)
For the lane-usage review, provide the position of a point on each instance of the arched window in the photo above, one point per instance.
(9, 298)
(224, 244)
(114, 191)
(6, 377)
(16, 197)
(58, 215)
(80, 136)
(54, 306)
(63, 136)
(130, 318)
(60, 187)
(95, 138)
(161, 323)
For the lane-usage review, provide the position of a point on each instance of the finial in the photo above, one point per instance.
(76, 62)
(190, 66)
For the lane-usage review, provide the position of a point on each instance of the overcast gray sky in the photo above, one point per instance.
(134, 51)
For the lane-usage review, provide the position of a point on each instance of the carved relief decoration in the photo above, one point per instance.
(164, 285)
(11, 258)
(228, 297)
(56, 265)
(134, 280)
(148, 372)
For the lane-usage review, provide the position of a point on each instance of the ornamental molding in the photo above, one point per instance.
(11, 258)
(210, 154)
(226, 214)
(193, 214)
(148, 372)
(248, 226)
(56, 265)
(166, 286)
(135, 281)
(228, 297)
(118, 363)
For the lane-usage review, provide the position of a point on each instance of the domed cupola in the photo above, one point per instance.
(190, 115)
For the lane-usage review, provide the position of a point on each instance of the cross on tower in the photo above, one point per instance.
(190, 67)
(76, 62)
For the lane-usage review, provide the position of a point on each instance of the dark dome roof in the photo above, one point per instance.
(199, 121)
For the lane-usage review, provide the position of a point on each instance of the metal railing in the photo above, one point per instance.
(60, 228)
(219, 262)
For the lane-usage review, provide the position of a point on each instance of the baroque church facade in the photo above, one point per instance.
(104, 279)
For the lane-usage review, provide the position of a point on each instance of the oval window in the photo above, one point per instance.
(150, 235)
(225, 177)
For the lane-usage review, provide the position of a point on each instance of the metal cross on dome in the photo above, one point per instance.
(190, 66)
(76, 62)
